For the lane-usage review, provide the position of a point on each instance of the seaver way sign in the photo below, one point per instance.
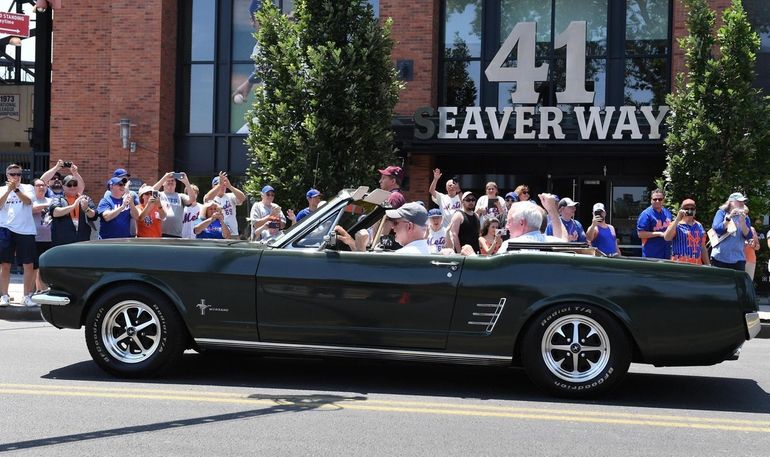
(580, 120)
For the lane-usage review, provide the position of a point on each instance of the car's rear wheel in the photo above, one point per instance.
(575, 350)
(134, 332)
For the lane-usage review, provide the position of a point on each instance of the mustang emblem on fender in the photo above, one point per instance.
(203, 307)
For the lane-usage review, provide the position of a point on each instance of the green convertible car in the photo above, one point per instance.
(574, 320)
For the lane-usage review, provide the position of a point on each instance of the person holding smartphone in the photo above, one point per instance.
(173, 202)
(491, 237)
(491, 205)
(688, 236)
(732, 223)
(149, 221)
(602, 235)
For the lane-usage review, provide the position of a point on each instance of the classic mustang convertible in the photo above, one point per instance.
(573, 321)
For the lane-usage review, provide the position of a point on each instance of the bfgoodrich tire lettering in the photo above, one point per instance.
(575, 350)
(134, 332)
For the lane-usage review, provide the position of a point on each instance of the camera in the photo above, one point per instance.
(501, 232)
(689, 212)
(178, 176)
(66, 164)
(155, 194)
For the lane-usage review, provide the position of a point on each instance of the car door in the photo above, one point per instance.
(372, 299)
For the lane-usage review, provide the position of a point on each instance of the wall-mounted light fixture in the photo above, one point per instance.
(125, 134)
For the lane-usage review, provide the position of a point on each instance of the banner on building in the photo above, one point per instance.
(10, 106)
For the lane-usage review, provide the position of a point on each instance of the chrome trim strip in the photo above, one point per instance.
(494, 315)
(401, 354)
(753, 324)
(46, 299)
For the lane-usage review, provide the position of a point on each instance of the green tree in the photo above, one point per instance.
(323, 115)
(718, 130)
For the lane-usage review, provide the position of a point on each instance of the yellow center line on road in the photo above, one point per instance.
(316, 401)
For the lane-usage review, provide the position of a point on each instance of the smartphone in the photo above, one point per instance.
(492, 203)
(178, 176)
(501, 232)
(155, 194)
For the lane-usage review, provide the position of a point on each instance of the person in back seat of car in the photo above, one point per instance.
(525, 220)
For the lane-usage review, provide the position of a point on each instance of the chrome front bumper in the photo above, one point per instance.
(46, 299)
(753, 324)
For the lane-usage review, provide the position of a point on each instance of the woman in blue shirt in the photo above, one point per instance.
(733, 227)
(210, 223)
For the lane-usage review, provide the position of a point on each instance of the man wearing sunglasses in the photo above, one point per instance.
(465, 225)
(71, 215)
(54, 179)
(17, 233)
(409, 223)
(651, 228)
(116, 210)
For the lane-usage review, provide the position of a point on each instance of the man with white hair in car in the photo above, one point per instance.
(524, 222)
(409, 222)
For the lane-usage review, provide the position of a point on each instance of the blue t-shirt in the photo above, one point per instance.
(120, 225)
(731, 249)
(213, 231)
(574, 228)
(303, 214)
(654, 221)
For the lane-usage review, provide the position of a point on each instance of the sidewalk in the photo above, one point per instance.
(16, 312)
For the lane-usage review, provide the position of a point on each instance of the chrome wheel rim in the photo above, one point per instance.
(131, 331)
(575, 348)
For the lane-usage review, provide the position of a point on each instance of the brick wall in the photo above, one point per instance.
(415, 30)
(680, 30)
(114, 60)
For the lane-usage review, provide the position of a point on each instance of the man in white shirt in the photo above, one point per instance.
(226, 200)
(263, 210)
(410, 222)
(18, 233)
(450, 201)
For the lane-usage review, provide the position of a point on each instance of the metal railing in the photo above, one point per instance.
(33, 163)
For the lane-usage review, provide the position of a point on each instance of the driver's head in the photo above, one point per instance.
(409, 222)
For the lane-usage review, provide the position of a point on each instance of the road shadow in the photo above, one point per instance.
(434, 380)
(279, 404)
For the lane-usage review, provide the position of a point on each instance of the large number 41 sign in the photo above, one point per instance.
(526, 73)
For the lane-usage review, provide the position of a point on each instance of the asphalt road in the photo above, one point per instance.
(55, 401)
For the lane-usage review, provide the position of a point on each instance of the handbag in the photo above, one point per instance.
(715, 239)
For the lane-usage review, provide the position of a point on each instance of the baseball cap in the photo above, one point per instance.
(435, 212)
(599, 207)
(267, 189)
(215, 181)
(736, 197)
(312, 193)
(144, 189)
(466, 194)
(687, 202)
(512, 195)
(566, 201)
(69, 178)
(56, 176)
(393, 171)
(120, 173)
(116, 180)
(412, 212)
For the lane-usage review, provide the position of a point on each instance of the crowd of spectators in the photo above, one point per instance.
(55, 210)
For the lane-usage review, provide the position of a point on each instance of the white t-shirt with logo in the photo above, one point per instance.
(448, 206)
(227, 203)
(16, 216)
(437, 240)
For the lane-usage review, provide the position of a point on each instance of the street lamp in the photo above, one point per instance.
(125, 132)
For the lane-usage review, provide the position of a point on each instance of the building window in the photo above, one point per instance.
(759, 17)
(199, 68)
(627, 49)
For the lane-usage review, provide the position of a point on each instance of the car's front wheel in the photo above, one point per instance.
(134, 332)
(575, 350)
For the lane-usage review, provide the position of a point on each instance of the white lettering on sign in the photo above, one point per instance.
(526, 73)
(10, 106)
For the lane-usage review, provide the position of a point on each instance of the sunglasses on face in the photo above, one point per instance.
(469, 200)
(270, 194)
(509, 199)
(39, 185)
(14, 174)
(525, 192)
(657, 199)
(75, 184)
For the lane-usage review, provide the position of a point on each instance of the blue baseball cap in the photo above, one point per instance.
(267, 189)
(435, 212)
(512, 195)
(312, 193)
(215, 181)
(116, 180)
(120, 173)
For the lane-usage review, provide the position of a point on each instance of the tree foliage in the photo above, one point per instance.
(322, 116)
(718, 130)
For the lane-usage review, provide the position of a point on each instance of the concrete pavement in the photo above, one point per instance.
(16, 312)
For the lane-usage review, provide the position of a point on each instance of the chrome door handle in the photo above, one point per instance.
(452, 265)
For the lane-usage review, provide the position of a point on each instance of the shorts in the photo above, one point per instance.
(22, 246)
(40, 248)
